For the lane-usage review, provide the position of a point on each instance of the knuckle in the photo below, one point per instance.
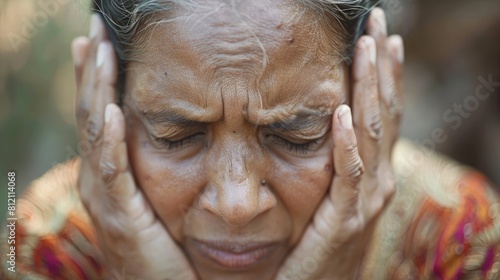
(373, 125)
(92, 131)
(354, 172)
(351, 151)
(108, 172)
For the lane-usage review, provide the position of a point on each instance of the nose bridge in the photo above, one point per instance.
(238, 162)
(236, 194)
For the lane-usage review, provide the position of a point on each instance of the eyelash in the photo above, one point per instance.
(291, 147)
(178, 144)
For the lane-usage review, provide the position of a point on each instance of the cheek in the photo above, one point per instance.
(302, 187)
(170, 186)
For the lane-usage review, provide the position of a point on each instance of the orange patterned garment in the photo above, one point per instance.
(443, 223)
(464, 228)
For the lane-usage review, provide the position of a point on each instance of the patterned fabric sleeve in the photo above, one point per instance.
(54, 238)
(457, 243)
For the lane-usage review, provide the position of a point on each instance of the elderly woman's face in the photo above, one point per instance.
(229, 130)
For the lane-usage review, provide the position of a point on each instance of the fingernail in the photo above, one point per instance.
(107, 113)
(100, 54)
(398, 45)
(372, 50)
(94, 25)
(380, 16)
(345, 117)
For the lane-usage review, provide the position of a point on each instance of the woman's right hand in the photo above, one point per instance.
(134, 242)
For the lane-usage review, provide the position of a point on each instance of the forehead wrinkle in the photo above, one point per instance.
(297, 69)
(153, 94)
(309, 87)
(187, 54)
(158, 83)
(227, 40)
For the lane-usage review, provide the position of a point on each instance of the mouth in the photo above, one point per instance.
(236, 255)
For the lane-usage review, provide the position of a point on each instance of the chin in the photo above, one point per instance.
(222, 259)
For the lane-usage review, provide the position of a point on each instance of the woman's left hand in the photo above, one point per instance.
(334, 244)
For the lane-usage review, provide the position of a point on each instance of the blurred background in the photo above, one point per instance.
(452, 49)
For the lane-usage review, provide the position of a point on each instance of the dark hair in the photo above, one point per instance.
(123, 19)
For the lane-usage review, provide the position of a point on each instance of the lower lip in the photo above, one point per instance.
(236, 261)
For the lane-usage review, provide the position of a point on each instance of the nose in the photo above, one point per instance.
(235, 192)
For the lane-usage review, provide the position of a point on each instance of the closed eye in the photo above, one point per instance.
(293, 147)
(172, 145)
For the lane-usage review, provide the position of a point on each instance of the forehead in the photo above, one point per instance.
(266, 51)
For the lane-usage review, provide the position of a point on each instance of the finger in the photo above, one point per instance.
(79, 48)
(113, 164)
(389, 85)
(106, 78)
(89, 125)
(348, 165)
(392, 104)
(376, 27)
(367, 118)
(104, 92)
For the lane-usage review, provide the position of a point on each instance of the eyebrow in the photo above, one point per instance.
(187, 115)
(286, 118)
(300, 121)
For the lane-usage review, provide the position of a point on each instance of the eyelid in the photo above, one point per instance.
(168, 130)
(174, 131)
(311, 134)
(296, 148)
(173, 145)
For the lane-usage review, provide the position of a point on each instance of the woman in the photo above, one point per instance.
(233, 154)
